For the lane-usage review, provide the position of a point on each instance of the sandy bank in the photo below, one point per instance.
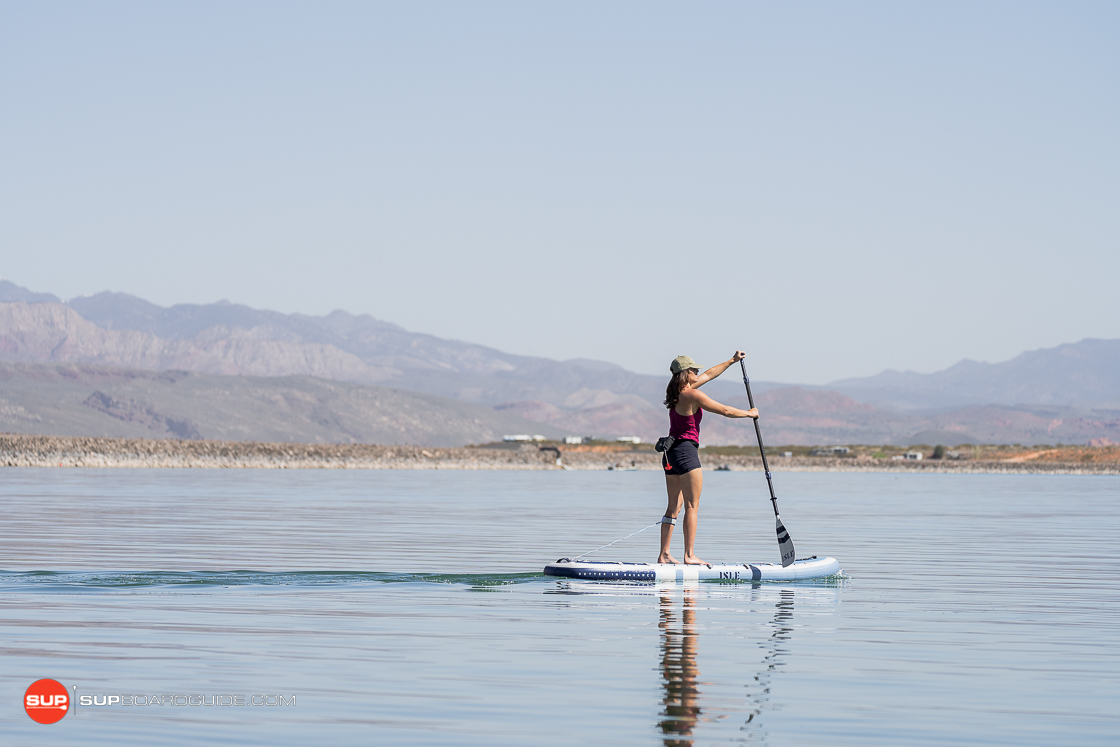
(51, 451)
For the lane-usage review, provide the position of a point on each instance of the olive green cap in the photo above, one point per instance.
(680, 363)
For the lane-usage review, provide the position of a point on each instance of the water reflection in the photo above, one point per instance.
(679, 672)
(680, 675)
(776, 653)
(684, 704)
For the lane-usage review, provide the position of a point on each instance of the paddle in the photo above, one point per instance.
(785, 544)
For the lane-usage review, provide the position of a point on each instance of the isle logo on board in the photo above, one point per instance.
(46, 701)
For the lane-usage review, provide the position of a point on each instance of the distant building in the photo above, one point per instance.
(573, 439)
(787, 453)
(830, 450)
(914, 455)
(523, 437)
(629, 439)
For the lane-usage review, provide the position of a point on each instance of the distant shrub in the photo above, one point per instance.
(938, 452)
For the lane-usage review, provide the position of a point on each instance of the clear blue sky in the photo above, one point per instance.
(838, 187)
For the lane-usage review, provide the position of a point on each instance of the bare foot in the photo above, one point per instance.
(693, 560)
(667, 559)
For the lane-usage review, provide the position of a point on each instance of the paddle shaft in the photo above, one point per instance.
(758, 432)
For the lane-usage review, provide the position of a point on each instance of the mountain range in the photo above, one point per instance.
(108, 345)
(79, 399)
(1084, 374)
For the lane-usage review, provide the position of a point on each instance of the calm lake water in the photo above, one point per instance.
(408, 608)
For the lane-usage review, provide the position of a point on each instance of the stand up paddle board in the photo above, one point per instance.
(606, 570)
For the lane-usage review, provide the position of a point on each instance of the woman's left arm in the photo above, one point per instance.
(727, 411)
(716, 370)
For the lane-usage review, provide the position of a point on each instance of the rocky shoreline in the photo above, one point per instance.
(53, 451)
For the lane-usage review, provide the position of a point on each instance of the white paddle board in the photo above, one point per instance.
(607, 570)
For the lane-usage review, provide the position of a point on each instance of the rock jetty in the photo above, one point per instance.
(55, 451)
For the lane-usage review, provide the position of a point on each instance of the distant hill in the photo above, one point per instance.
(1082, 374)
(9, 291)
(53, 333)
(801, 417)
(796, 415)
(84, 400)
(117, 329)
(1068, 394)
(421, 362)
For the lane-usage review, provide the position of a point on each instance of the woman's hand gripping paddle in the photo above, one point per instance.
(785, 544)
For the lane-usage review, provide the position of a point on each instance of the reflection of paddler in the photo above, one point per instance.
(679, 672)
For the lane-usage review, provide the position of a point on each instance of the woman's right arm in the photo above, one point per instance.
(727, 411)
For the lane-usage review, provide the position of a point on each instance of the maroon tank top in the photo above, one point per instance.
(685, 426)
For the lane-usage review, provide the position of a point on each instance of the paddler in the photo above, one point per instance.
(683, 477)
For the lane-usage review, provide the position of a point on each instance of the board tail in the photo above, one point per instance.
(785, 544)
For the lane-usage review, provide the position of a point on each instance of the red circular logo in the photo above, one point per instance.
(46, 701)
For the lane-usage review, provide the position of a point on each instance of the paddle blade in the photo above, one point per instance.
(785, 544)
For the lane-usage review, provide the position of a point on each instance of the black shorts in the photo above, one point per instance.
(682, 458)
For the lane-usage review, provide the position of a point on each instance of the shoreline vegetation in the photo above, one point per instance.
(92, 452)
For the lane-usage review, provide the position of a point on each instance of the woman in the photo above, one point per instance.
(683, 477)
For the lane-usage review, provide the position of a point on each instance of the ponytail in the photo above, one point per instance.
(673, 391)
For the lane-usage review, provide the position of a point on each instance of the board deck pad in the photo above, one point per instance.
(608, 570)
